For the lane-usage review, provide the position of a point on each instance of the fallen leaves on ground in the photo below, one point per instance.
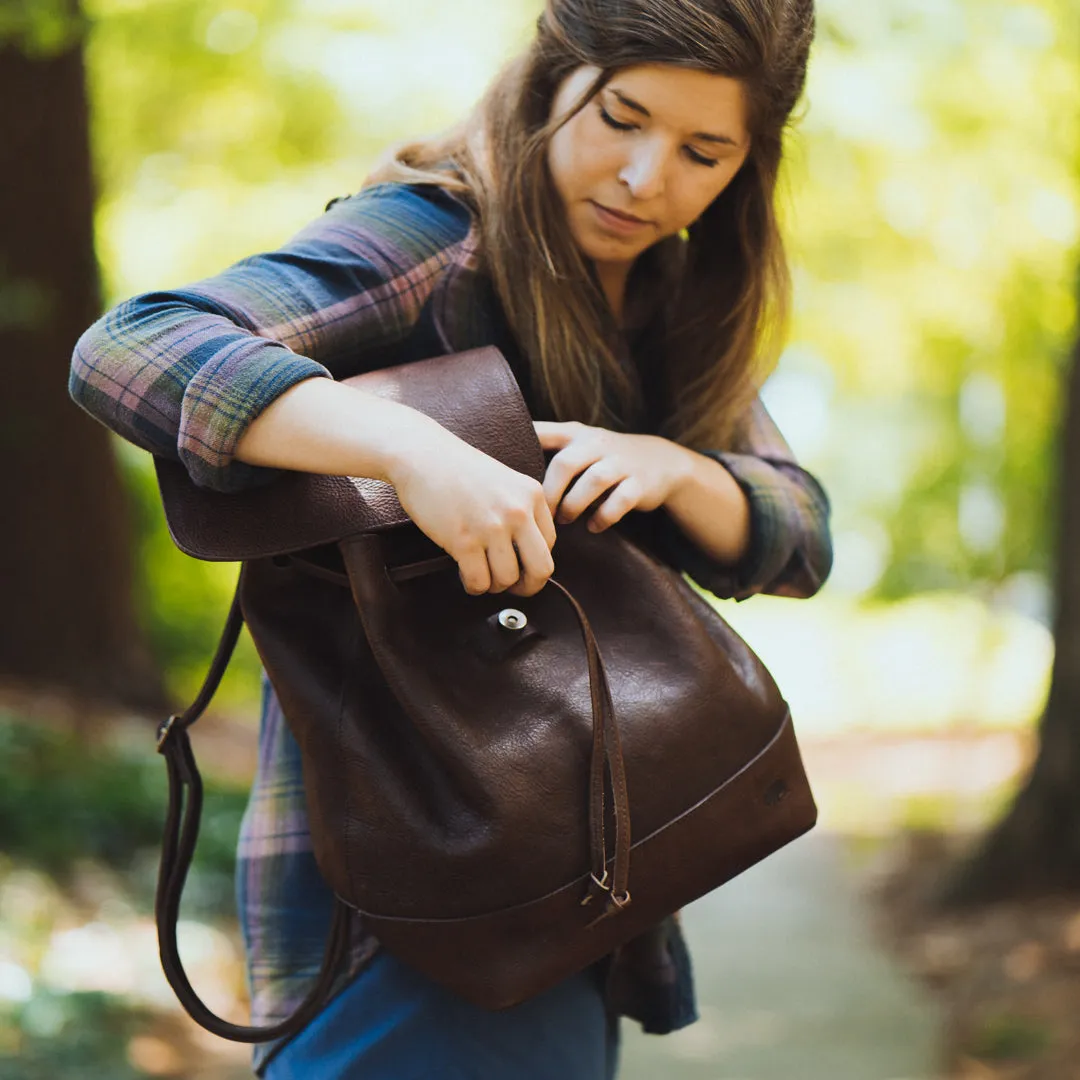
(1006, 976)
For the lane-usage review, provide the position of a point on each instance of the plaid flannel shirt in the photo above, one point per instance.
(382, 277)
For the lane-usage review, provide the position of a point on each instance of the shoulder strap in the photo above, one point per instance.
(178, 846)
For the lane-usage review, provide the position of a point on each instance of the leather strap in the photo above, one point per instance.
(178, 846)
(607, 756)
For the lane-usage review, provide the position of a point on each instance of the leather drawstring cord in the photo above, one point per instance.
(178, 846)
(606, 751)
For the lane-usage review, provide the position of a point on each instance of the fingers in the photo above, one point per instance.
(503, 562)
(597, 479)
(537, 564)
(554, 436)
(521, 567)
(624, 498)
(564, 466)
(512, 551)
(474, 571)
(544, 521)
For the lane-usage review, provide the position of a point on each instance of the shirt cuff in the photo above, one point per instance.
(223, 398)
(771, 541)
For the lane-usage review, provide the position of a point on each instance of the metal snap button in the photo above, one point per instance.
(512, 619)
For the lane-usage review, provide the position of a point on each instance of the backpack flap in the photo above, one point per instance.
(304, 510)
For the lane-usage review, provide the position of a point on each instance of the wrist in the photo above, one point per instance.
(409, 439)
(712, 509)
(683, 470)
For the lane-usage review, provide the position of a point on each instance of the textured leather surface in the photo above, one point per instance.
(473, 394)
(737, 826)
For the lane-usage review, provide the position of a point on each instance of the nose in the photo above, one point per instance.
(644, 171)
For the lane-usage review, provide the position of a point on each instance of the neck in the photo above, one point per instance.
(613, 278)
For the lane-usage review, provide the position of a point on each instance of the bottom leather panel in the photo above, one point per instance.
(499, 960)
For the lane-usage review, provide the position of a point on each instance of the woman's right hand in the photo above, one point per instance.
(493, 521)
(484, 514)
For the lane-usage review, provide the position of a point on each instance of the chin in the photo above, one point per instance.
(607, 249)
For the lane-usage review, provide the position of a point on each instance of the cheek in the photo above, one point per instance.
(602, 153)
(561, 163)
(697, 196)
(579, 155)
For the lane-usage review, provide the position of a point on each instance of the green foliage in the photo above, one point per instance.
(1010, 1038)
(24, 304)
(40, 28)
(935, 228)
(189, 95)
(209, 86)
(80, 1036)
(183, 601)
(89, 817)
(60, 805)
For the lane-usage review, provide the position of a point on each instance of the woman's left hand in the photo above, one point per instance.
(638, 472)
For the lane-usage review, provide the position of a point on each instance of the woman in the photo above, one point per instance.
(606, 217)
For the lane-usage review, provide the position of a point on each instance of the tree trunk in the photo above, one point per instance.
(1035, 849)
(69, 621)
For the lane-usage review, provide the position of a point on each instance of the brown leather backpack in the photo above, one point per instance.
(506, 789)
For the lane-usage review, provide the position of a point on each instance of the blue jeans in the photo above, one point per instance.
(392, 1023)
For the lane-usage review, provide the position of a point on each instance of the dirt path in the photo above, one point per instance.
(792, 985)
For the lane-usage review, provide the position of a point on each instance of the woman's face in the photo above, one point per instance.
(645, 157)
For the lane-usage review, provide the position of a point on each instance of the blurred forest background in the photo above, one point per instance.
(932, 200)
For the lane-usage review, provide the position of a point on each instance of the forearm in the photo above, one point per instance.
(708, 505)
(322, 426)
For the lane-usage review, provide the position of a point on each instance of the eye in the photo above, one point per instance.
(618, 125)
(612, 122)
(708, 162)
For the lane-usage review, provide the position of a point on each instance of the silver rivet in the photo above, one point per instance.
(512, 619)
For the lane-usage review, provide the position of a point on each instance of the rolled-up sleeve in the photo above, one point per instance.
(790, 548)
(183, 373)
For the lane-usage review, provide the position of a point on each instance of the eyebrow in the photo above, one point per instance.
(637, 107)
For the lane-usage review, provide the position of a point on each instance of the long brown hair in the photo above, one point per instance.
(721, 291)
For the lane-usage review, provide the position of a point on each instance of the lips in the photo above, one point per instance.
(617, 223)
(621, 214)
